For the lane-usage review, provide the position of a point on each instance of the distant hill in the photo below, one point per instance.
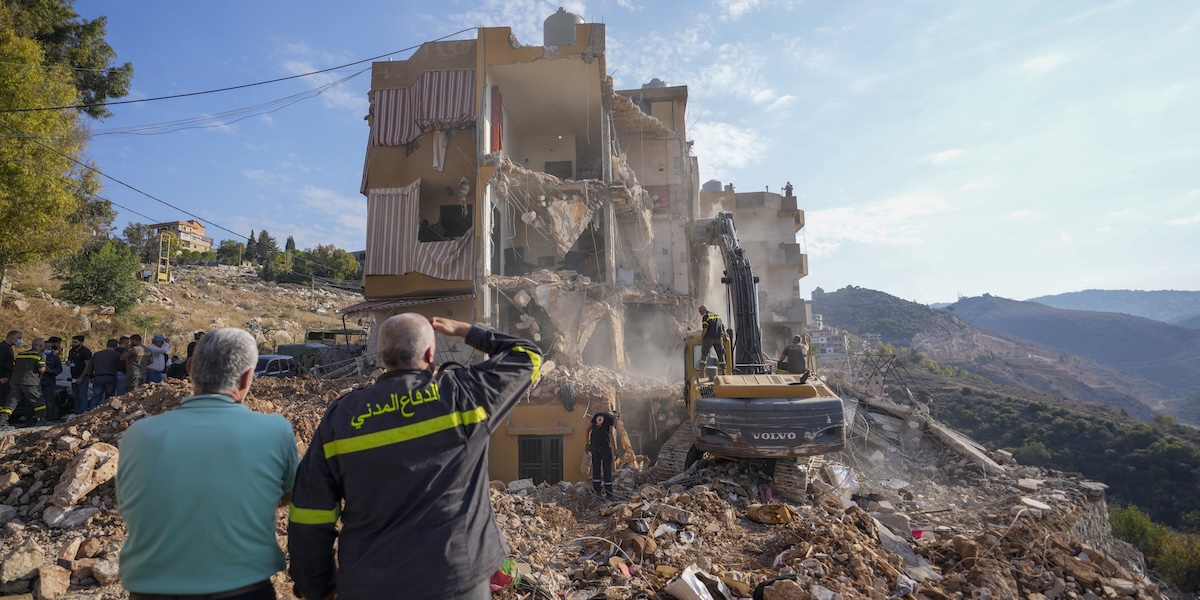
(1066, 353)
(1168, 306)
(860, 310)
(1192, 322)
(1165, 354)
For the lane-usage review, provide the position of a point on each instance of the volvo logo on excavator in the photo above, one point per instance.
(774, 435)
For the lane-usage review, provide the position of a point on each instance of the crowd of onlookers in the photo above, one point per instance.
(38, 383)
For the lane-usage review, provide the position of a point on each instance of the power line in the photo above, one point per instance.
(147, 194)
(231, 88)
(208, 121)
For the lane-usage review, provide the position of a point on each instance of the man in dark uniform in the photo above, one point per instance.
(794, 358)
(27, 382)
(712, 336)
(602, 439)
(77, 360)
(50, 377)
(8, 356)
(404, 465)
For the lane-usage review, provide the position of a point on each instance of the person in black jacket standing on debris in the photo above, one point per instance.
(403, 463)
(602, 440)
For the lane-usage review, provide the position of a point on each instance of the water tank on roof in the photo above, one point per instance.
(712, 185)
(655, 83)
(559, 28)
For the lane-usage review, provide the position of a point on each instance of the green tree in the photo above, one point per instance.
(77, 46)
(102, 275)
(265, 247)
(230, 252)
(275, 267)
(332, 262)
(143, 241)
(251, 248)
(41, 215)
(290, 244)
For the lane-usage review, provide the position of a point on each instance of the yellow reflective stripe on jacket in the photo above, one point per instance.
(404, 433)
(313, 516)
(535, 359)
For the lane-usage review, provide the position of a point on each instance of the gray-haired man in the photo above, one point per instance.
(198, 486)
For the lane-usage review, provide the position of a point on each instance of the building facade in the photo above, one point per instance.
(190, 233)
(767, 227)
(512, 185)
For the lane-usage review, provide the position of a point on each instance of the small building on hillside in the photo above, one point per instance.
(190, 234)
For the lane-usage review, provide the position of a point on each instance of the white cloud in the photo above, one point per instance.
(893, 222)
(303, 59)
(1104, 229)
(985, 183)
(1192, 193)
(809, 58)
(1185, 221)
(1021, 214)
(1041, 65)
(627, 4)
(1064, 237)
(259, 175)
(732, 10)
(946, 156)
(723, 147)
(782, 102)
(267, 119)
(1146, 102)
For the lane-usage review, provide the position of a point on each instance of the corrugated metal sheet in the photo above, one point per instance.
(393, 221)
(399, 303)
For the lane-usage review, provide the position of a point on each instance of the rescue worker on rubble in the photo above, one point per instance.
(8, 357)
(711, 337)
(602, 440)
(26, 384)
(408, 458)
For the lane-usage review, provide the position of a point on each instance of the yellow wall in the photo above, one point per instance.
(431, 56)
(549, 419)
(412, 284)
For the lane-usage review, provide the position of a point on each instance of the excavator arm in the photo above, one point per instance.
(742, 293)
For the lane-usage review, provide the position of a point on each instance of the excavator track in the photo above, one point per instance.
(673, 456)
(792, 476)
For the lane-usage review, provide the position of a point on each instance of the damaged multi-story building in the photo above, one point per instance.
(512, 185)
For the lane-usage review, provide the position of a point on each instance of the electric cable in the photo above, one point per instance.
(230, 88)
(148, 195)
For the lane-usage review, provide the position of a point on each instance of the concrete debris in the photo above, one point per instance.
(92, 467)
(52, 582)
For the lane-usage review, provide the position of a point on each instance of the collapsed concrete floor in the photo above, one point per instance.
(909, 510)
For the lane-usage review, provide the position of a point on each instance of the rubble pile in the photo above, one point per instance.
(907, 511)
(948, 531)
(61, 534)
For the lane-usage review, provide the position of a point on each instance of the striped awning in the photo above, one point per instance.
(437, 100)
(393, 222)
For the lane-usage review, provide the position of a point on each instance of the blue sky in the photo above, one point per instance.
(939, 148)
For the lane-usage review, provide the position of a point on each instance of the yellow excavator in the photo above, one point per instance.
(750, 411)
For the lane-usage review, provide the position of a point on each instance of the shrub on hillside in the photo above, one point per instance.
(1175, 556)
(103, 275)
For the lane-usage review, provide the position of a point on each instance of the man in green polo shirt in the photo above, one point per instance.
(198, 486)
